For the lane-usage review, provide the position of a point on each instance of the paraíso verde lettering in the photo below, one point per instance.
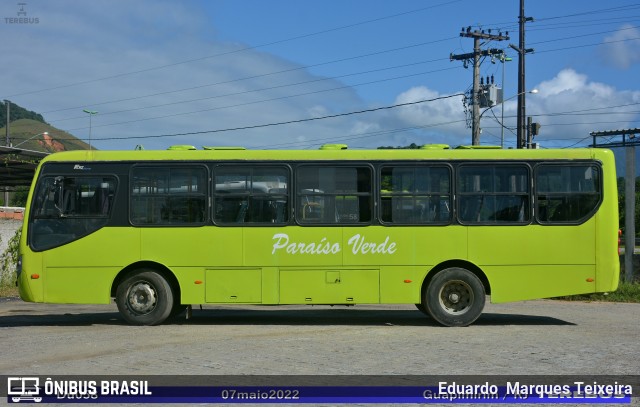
(357, 243)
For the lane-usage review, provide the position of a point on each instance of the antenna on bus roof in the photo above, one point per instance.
(434, 147)
(334, 147)
(222, 148)
(181, 147)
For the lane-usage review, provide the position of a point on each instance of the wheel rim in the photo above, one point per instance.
(142, 298)
(456, 297)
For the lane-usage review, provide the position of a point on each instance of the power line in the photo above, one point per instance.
(285, 122)
(360, 135)
(600, 11)
(585, 35)
(508, 25)
(586, 45)
(264, 75)
(306, 67)
(253, 90)
(585, 23)
(237, 50)
(290, 121)
(266, 100)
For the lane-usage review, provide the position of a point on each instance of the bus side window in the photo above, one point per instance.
(334, 194)
(493, 194)
(250, 194)
(415, 194)
(567, 193)
(172, 195)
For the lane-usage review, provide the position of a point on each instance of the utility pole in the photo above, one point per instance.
(532, 130)
(504, 60)
(522, 51)
(629, 142)
(475, 56)
(8, 104)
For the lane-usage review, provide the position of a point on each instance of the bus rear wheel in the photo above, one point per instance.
(144, 298)
(455, 297)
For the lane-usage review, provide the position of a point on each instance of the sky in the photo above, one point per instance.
(293, 74)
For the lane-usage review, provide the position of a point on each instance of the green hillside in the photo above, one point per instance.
(17, 113)
(27, 134)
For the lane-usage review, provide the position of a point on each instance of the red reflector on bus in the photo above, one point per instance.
(590, 280)
(35, 276)
(407, 281)
(198, 281)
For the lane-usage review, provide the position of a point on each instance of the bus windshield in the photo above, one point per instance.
(67, 208)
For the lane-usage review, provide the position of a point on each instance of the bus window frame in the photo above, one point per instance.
(373, 183)
(493, 164)
(108, 218)
(588, 216)
(414, 164)
(251, 165)
(169, 165)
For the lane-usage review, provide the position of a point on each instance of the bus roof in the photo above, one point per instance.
(237, 154)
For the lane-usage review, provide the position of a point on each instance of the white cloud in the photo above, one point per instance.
(78, 42)
(622, 49)
(570, 107)
(442, 120)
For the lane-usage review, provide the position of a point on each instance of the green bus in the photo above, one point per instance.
(437, 227)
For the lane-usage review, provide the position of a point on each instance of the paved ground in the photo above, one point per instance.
(532, 337)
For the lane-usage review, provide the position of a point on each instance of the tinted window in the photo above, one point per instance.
(567, 193)
(245, 194)
(168, 196)
(415, 194)
(332, 194)
(67, 208)
(493, 194)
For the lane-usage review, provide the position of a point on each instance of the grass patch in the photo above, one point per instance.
(626, 292)
(8, 263)
(8, 287)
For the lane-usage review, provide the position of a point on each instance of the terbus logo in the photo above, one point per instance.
(22, 17)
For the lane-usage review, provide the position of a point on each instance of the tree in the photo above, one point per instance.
(412, 146)
(17, 113)
(20, 196)
(621, 205)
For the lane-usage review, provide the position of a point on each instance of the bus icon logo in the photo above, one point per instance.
(24, 389)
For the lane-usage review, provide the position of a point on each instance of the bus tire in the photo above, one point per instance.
(145, 298)
(455, 297)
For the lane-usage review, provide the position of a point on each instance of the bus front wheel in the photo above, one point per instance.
(144, 298)
(455, 297)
